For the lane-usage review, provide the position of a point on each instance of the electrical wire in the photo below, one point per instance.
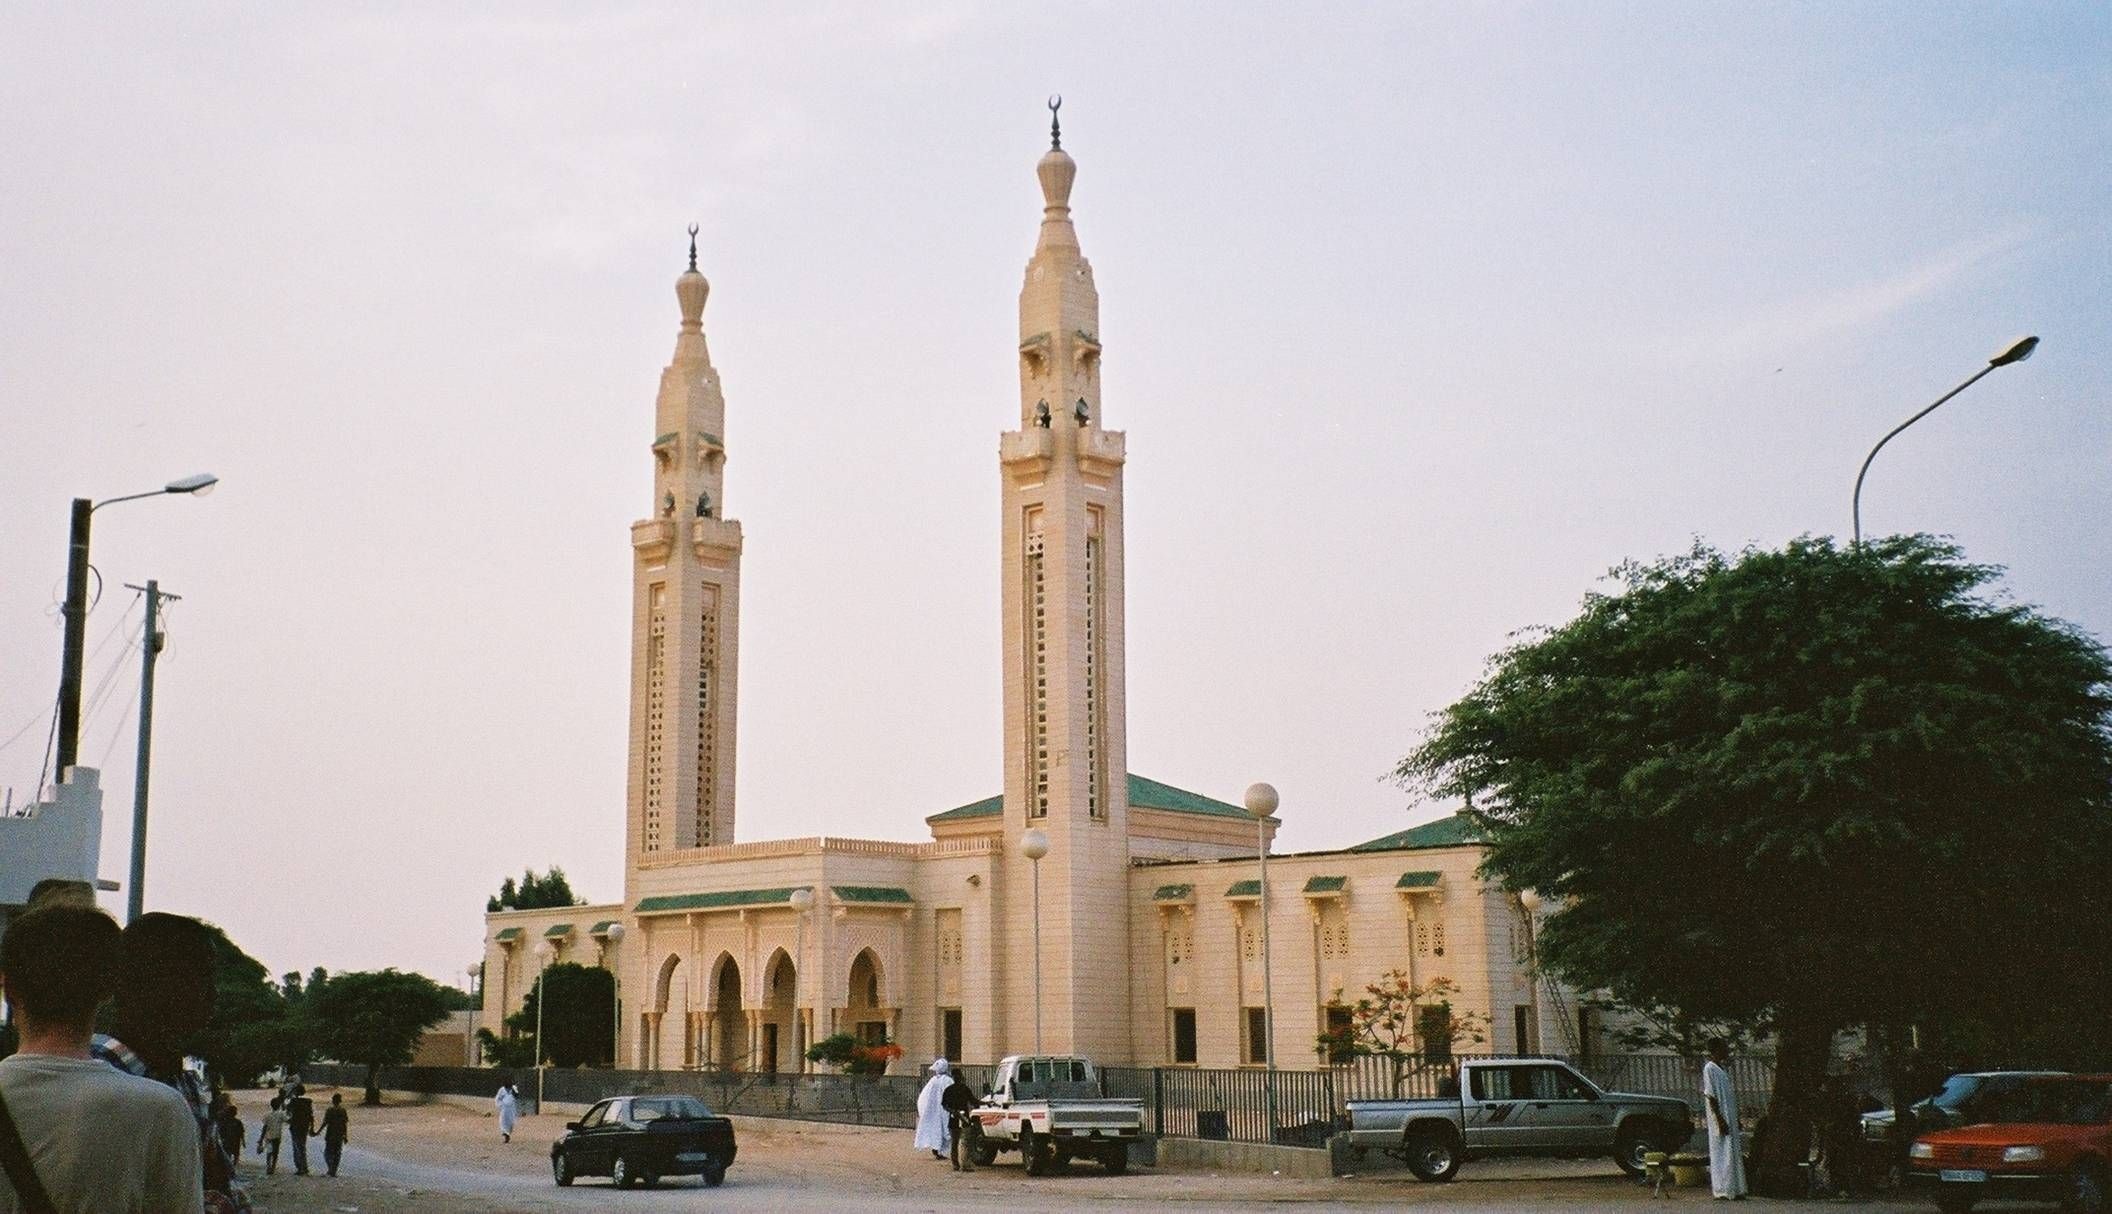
(44, 773)
(131, 706)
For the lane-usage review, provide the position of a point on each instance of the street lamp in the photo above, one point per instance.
(69, 741)
(1034, 845)
(543, 952)
(1261, 801)
(2015, 352)
(802, 902)
(612, 938)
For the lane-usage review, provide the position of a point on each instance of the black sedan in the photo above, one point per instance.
(639, 1139)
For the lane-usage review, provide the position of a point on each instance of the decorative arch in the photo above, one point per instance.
(667, 1035)
(778, 1045)
(729, 1030)
(865, 1012)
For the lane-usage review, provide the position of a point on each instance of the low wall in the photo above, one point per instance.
(1303, 1163)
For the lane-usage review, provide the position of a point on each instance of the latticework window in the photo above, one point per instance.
(1093, 805)
(1038, 666)
(707, 719)
(655, 716)
(1334, 941)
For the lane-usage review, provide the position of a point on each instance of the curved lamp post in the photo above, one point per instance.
(802, 902)
(614, 937)
(77, 610)
(1034, 844)
(1261, 801)
(543, 952)
(2015, 352)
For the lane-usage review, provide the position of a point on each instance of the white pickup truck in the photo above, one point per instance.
(1050, 1110)
(1518, 1106)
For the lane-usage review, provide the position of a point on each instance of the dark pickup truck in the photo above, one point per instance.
(639, 1139)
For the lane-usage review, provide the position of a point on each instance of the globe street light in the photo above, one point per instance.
(1034, 845)
(802, 902)
(612, 938)
(544, 950)
(1261, 801)
(2015, 352)
(69, 740)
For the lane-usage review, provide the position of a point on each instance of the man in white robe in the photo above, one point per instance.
(508, 1108)
(931, 1111)
(1726, 1143)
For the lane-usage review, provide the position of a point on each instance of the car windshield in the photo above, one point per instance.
(666, 1108)
(2050, 1102)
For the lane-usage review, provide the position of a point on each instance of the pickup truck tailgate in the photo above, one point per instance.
(1097, 1115)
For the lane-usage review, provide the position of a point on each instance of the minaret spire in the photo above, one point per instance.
(1055, 127)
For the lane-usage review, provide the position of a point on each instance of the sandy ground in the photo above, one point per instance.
(449, 1160)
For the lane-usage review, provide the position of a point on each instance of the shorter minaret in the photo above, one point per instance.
(685, 614)
(1066, 759)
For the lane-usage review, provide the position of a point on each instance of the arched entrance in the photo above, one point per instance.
(729, 1035)
(667, 1037)
(777, 1049)
(864, 1016)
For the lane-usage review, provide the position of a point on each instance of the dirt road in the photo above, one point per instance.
(449, 1160)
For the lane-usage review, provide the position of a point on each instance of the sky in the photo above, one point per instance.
(1419, 317)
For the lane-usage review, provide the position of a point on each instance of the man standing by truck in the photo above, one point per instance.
(1726, 1144)
(959, 1102)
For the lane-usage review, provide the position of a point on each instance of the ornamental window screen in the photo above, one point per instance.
(1334, 941)
(1250, 944)
(1038, 665)
(707, 719)
(949, 946)
(1178, 947)
(1093, 806)
(655, 715)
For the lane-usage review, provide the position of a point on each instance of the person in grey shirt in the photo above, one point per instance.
(93, 1139)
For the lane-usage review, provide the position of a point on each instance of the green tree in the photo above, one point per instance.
(1398, 1019)
(535, 892)
(580, 1024)
(374, 1018)
(1801, 790)
(251, 1030)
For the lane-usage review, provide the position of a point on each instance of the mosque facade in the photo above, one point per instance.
(1147, 901)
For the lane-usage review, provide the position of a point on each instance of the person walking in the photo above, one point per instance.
(269, 1134)
(76, 1135)
(300, 1127)
(336, 1128)
(959, 1102)
(231, 1129)
(931, 1111)
(1726, 1142)
(508, 1104)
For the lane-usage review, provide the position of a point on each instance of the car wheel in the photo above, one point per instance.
(561, 1169)
(621, 1174)
(1629, 1147)
(1432, 1157)
(714, 1175)
(2086, 1190)
(981, 1151)
(1115, 1158)
(1040, 1156)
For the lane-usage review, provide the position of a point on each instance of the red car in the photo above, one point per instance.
(2048, 1139)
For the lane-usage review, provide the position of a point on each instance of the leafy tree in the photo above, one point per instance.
(1765, 790)
(580, 1024)
(1397, 1019)
(374, 1018)
(534, 892)
(853, 1056)
(507, 1051)
(251, 1030)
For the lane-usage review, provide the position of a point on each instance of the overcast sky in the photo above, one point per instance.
(1419, 318)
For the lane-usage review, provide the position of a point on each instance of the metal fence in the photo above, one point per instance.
(1287, 1108)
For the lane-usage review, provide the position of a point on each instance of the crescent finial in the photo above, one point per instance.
(692, 246)
(1055, 127)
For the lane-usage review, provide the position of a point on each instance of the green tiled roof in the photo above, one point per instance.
(508, 933)
(1325, 885)
(719, 900)
(1423, 879)
(558, 929)
(1445, 832)
(1244, 889)
(711, 438)
(665, 437)
(871, 893)
(1172, 893)
(1143, 793)
(601, 928)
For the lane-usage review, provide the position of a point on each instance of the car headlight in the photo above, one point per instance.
(1921, 1150)
(2023, 1154)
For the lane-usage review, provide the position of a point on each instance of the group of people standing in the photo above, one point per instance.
(293, 1113)
(121, 1122)
(944, 1116)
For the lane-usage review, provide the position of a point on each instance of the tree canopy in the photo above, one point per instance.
(373, 1018)
(1800, 790)
(534, 892)
(580, 1024)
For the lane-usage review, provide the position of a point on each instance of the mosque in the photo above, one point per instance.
(1147, 897)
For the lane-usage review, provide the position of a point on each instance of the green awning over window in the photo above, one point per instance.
(1244, 889)
(508, 933)
(872, 893)
(1326, 885)
(1172, 893)
(601, 928)
(1421, 879)
(724, 899)
(558, 929)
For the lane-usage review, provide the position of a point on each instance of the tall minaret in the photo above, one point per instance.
(1065, 741)
(685, 609)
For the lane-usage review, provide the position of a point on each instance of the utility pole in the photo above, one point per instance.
(150, 648)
